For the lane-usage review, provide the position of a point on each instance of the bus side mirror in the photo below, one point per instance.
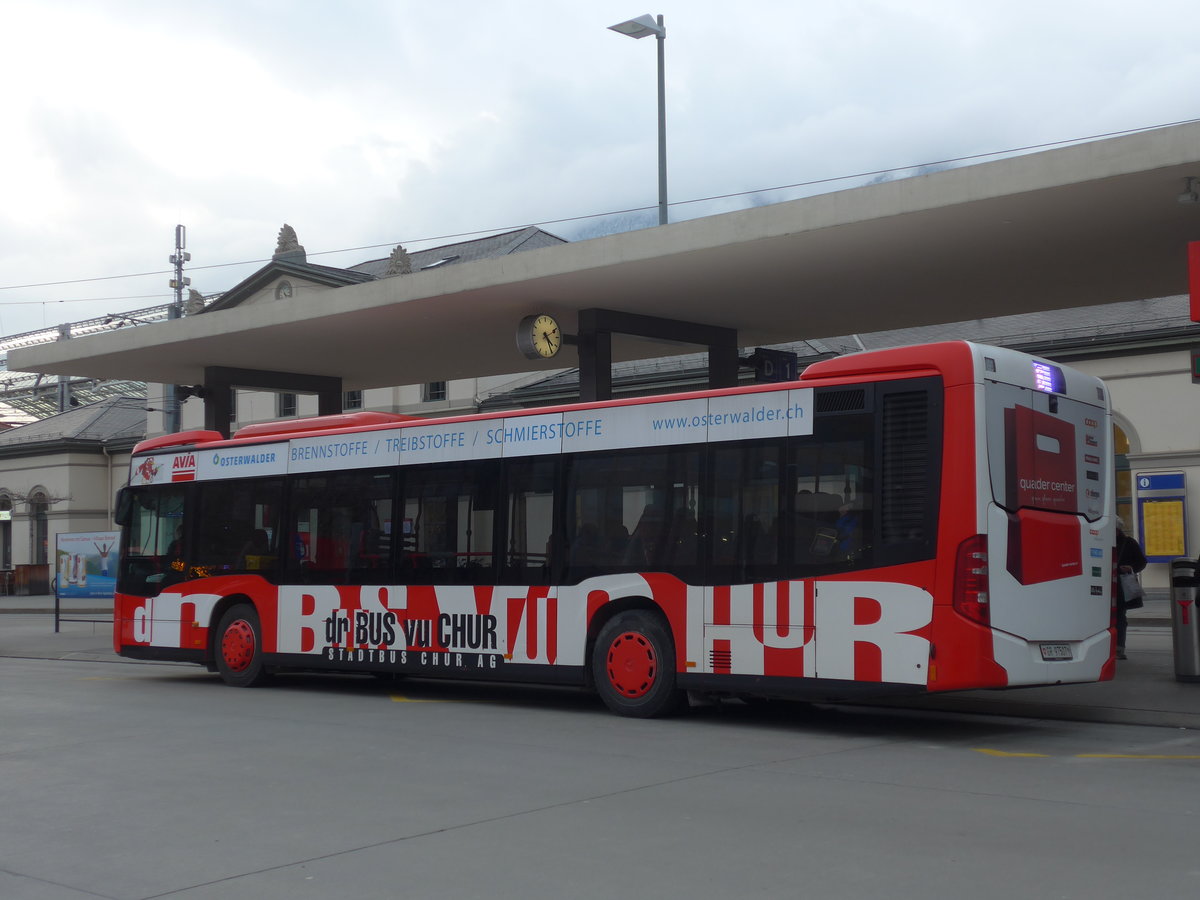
(124, 513)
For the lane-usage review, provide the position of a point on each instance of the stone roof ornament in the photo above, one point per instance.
(399, 263)
(194, 304)
(288, 246)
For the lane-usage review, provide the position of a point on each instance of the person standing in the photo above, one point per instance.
(1130, 558)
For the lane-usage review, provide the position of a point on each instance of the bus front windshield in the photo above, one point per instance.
(151, 540)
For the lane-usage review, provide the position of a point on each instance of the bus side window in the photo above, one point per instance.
(745, 506)
(633, 510)
(452, 510)
(338, 529)
(531, 550)
(832, 475)
(228, 514)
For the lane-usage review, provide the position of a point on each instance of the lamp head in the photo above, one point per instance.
(642, 26)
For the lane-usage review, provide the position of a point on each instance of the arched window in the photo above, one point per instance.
(39, 527)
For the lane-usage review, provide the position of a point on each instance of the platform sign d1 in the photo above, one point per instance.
(1162, 514)
(86, 564)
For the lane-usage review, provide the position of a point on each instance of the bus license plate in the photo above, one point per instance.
(1056, 651)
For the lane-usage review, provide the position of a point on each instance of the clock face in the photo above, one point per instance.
(546, 336)
(539, 337)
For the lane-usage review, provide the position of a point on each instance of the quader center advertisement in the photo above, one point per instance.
(85, 564)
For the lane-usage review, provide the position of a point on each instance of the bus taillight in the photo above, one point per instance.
(971, 580)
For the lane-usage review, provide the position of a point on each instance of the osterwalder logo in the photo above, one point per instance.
(243, 459)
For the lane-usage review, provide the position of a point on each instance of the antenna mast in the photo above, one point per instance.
(178, 283)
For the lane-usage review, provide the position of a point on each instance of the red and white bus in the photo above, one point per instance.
(919, 519)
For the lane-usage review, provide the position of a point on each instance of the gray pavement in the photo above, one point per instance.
(1144, 692)
(135, 781)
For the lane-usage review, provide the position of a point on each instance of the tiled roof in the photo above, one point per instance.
(529, 238)
(116, 420)
(1082, 324)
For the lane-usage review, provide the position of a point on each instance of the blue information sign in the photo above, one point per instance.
(1162, 514)
(1170, 481)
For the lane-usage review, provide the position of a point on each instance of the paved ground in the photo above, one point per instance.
(129, 780)
(1145, 691)
(123, 780)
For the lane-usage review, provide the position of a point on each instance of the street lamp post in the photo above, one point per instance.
(644, 26)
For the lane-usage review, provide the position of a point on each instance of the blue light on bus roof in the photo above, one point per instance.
(1048, 378)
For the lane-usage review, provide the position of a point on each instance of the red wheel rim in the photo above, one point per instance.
(237, 645)
(632, 665)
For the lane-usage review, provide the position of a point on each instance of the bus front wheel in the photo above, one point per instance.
(633, 666)
(239, 647)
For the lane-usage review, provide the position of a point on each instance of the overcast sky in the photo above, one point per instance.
(377, 122)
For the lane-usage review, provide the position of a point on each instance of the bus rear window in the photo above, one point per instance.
(1046, 452)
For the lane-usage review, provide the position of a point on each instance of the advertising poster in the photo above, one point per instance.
(85, 564)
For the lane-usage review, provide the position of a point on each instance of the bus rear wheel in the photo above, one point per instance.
(239, 647)
(633, 665)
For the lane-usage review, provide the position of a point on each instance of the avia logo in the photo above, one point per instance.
(183, 467)
(1091, 423)
(1091, 458)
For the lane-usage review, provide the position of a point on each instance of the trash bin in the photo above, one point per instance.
(1185, 623)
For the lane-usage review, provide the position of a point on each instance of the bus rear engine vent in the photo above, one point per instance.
(841, 401)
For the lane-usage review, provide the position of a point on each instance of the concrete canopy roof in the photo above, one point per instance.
(1087, 224)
